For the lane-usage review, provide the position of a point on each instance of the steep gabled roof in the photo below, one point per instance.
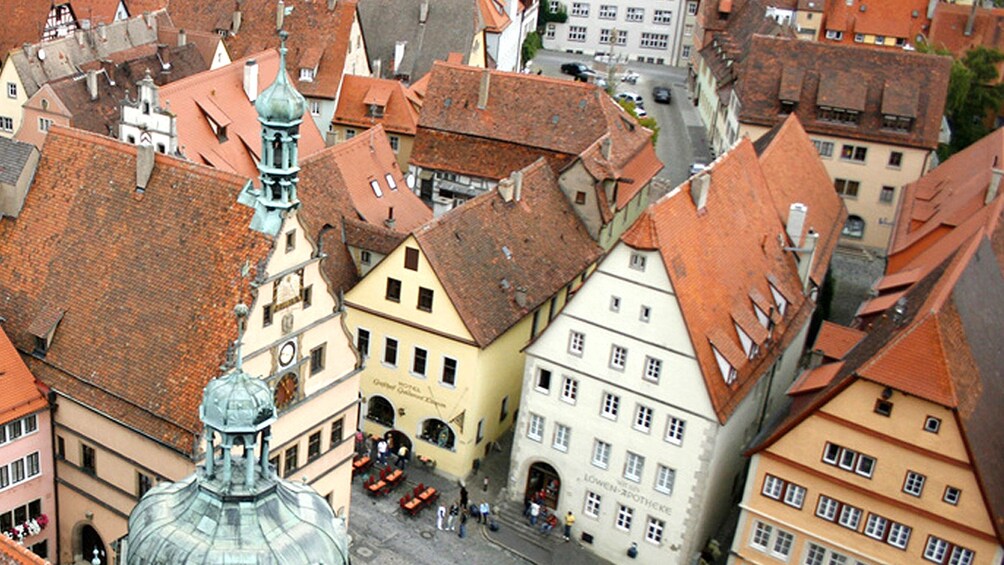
(218, 95)
(18, 394)
(487, 249)
(720, 255)
(835, 340)
(146, 281)
(730, 46)
(493, 15)
(399, 116)
(846, 77)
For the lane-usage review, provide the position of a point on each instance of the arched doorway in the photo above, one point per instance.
(397, 438)
(542, 479)
(89, 540)
(380, 410)
(438, 432)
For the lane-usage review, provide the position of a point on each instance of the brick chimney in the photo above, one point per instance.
(251, 79)
(517, 185)
(486, 81)
(92, 84)
(796, 222)
(182, 38)
(505, 188)
(699, 187)
(144, 165)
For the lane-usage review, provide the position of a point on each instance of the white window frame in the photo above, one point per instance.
(615, 303)
(936, 549)
(643, 416)
(562, 435)
(608, 12)
(618, 357)
(761, 535)
(850, 517)
(691, 8)
(625, 515)
(913, 484)
(579, 10)
(783, 542)
(536, 380)
(637, 261)
(576, 343)
(665, 479)
(645, 314)
(662, 17)
(773, 487)
(577, 33)
(675, 428)
(952, 495)
(601, 454)
(899, 535)
(653, 369)
(535, 427)
(654, 530)
(610, 406)
(634, 466)
(826, 508)
(634, 14)
(794, 495)
(569, 389)
(592, 504)
(876, 526)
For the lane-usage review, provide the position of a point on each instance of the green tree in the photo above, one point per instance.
(648, 121)
(531, 45)
(546, 15)
(974, 96)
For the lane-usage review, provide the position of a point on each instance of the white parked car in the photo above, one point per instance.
(630, 77)
(632, 97)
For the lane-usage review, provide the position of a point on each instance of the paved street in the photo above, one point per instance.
(681, 134)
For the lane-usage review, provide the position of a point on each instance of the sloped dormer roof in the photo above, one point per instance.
(399, 116)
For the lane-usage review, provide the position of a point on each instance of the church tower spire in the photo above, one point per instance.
(280, 111)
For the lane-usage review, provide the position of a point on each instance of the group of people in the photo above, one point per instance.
(536, 511)
(384, 447)
(455, 517)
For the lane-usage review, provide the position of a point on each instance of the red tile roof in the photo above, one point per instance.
(493, 14)
(24, 21)
(717, 256)
(948, 28)
(466, 248)
(219, 95)
(96, 11)
(815, 379)
(13, 553)
(147, 282)
(904, 19)
(312, 28)
(18, 394)
(834, 73)
(835, 340)
(358, 92)
(477, 156)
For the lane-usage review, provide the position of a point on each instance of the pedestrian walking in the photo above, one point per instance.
(382, 452)
(440, 516)
(484, 510)
(569, 520)
(463, 496)
(451, 517)
(484, 484)
(402, 457)
(534, 512)
(463, 524)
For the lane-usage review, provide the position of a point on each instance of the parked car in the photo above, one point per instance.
(639, 111)
(591, 76)
(697, 167)
(630, 77)
(632, 97)
(574, 69)
(662, 94)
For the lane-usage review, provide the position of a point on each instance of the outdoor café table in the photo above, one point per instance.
(394, 478)
(377, 487)
(428, 494)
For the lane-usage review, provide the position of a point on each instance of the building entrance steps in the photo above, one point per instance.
(518, 536)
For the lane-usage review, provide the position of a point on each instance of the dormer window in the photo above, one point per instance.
(307, 75)
(787, 106)
(779, 299)
(746, 341)
(838, 115)
(375, 111)
(897, 123)
(727, 371)
(761, 316)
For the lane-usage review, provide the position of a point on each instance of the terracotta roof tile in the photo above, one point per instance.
(371, 236)
(95, 11)
(815, 379)
(18, 394)
(399, 116)
(218, 95)
(948, 28)
(205, 42)
(848, 77)
(494, 15)
(476, 156)
(114, 263)
(465, 249)
(16, 554)
(716, 258)
(889, 18)
(835, 340)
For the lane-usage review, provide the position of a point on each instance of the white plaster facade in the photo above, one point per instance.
(652, 31)
(683, 437)
(144, 122)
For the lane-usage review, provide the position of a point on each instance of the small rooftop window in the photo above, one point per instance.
(376, 188)
(391, 183)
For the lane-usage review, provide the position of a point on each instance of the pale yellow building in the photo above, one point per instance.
(443, 318)
(890, 454)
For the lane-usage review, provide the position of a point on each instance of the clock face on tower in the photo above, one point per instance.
(287, 354)
(285, 390)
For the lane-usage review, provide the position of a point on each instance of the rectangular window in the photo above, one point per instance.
(419, 361)
(601, 454)
(827, 508)
(592, 506)
(887, 194)
(543, 382)
(831, 453)
(932, 424)
(290, 461)
(674, 430)
(411, 258)
(824, 148)
(576, 343)
(535, 430)
(60, 449)
(875, 526)
(611, 403)
(624, 516)
(32, 463)
(290, 240)
(865, 466)
(44, 124)
(608, 12)
(664, 479)
(314, 446)
(914, 483)
(653, 369)
(30, 423)
(847, 459)
(449, 371)
(794, 495)
(643, 418)
(481, 431)
(6, 124)
(692, 8)
(11, 90)
(654, 40)
(307, 296)
(635, 14)
(646, 314)
(962, 556)
(854, 153)
(87, 459)
(633, 466)
(782, 544)
(395, 143)
(761, 536)
(4, 476)
(846, 187)
(549, 31)
(14, 430)
(317, 359)
(365, 257)
(615, 304)
(936, 549)
(850, 517)
(664, 17)
(895, 159)
(561, 435)
(349, 134)
(618, 357)
(337, 432)
(653, 532)
(685, 53)
(772, 487)
(363, 342)
(637, 261)
(569, 390)
(899, 535)
(390, 351)
(266, 315)
(393, 290)
(576, 33)
(580, 9)
(952, 495)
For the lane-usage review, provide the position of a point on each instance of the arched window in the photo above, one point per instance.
(855, 227)
(439, 433)
(379, 410)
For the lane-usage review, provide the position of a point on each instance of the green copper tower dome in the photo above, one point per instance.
(280, 103)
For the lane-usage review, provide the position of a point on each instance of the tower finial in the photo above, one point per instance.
(283, 35)
(241, 312)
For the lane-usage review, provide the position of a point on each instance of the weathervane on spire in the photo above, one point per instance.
(281, 11)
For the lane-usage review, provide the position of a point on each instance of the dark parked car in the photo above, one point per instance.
(662, 94)
(574, 69)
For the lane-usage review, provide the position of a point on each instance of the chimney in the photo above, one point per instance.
(605, 147)
(815, 359)
(164, 54)
(972, 18)
(505, 187)
(251, 79)
(995, 183)
(390, 221)
(144, 165)
(377, 68)
(486, 81)
(331, 5)
(148, 19)
(398, 55)
(699, 186)
(235, 25)
(796, 222)
(29, 50)
(520, 296)
(517, 185)
(423, 12)
(102, 31)
(280, 12)
(92, 84)
(79, 34)
(808, 257)
(182, 38)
